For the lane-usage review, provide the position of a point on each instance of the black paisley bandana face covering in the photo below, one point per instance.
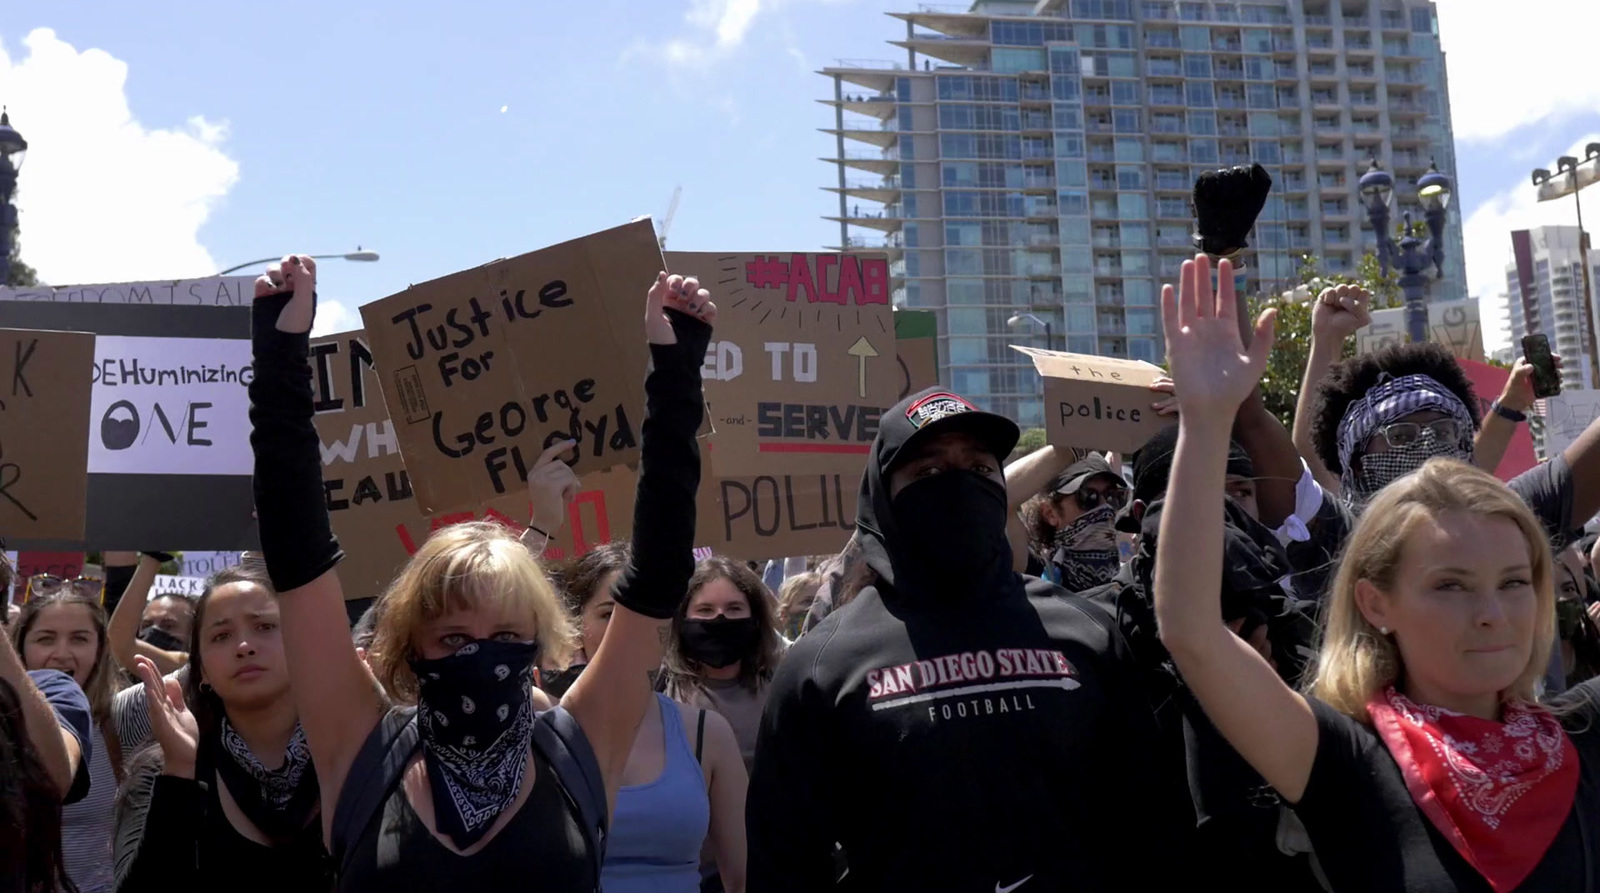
(281, 801)
(1086, 550)
(476, 720)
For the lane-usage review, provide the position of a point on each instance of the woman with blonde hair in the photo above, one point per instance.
(472, 789)
(1419, 758)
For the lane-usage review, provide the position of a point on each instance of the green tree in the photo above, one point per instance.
(1032, 440)
(19, 274)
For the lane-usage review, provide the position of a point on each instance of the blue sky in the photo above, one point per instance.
(171, 139)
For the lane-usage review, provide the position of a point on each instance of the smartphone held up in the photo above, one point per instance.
(1546, 379)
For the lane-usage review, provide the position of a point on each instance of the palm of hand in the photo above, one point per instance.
(1209, 362)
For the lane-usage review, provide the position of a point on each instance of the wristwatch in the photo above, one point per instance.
(1510, 415)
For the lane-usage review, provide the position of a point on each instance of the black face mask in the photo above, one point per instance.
(721, 641)
(951, 539)
(476, 719)
(555, 683)
(160, 638)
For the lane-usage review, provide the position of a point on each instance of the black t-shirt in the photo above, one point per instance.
(986, 745)
(1546, 488)
(542, 847)
(1371, 837)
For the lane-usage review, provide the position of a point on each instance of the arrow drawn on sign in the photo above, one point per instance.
(861, 350)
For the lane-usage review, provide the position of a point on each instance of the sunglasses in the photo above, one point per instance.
(1090, 499)
(46, 585)
(1404, 434)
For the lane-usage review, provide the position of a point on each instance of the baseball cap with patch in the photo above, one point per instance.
(1081, 472)
(935, 411)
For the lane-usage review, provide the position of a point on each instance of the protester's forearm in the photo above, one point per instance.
(1274, 456)
(122, 633)
(1028, 475)
(44, 730)
(1191, 535)
(1321, 359)
(1492, 441)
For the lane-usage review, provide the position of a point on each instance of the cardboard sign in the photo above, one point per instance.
(1098, 403)
(1453, 324)
(1566, 416)
(169, 458)
(484, 368)
(44, 434)
(1487, 383)
(748, 518)
(916, 345)
(803, 364)
(210, 291)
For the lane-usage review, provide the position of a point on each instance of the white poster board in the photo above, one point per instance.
(170, 406)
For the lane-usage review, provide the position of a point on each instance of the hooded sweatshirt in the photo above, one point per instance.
(956, 727)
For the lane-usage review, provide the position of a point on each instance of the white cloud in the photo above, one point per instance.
(1487, 233)
(718, 27)
(1514, 66)
(334, 317)
(102, 197)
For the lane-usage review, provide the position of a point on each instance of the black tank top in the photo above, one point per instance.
(541, 849)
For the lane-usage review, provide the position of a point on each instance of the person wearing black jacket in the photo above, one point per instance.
(493, 798)
(957, 727)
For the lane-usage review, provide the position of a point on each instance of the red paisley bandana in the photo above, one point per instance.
(1498, 791)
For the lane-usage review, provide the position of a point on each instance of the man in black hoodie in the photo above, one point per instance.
(957, 727)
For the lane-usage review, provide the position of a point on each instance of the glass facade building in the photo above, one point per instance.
(1038, 158)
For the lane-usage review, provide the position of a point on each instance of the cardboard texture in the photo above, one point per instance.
(481, 369)
(916, 344)
(803, 362)
(1487, 383)
(1097, 403)
(44, 434)
(748, 518)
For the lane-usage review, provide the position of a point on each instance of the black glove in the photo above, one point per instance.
(1226, 205)
(658, 574)
(160, 557)
(291, 507)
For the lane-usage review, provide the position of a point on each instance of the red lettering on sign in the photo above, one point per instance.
(824, 261)
(850, 281)
(800, 278)
(875, 279)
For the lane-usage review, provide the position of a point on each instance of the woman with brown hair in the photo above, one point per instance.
(229, 798)
(62, 627)
(725, 647)
(1419, 758)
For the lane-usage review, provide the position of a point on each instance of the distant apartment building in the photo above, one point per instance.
(1544, 284)
(1038, 157)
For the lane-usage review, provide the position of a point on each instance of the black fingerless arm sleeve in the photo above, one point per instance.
(657, 577)
(291, 507)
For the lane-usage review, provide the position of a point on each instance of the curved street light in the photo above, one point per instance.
(357, 255)
(1572, 176)
(1411, 255)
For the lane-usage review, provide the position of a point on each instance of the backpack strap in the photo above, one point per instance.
(376, 770)
(564, 747)
(700, 737)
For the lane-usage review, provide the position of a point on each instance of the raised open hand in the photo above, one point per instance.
(174, 727)
(679, 293)
(1341, 311)
(1214, 370)
(296, 274)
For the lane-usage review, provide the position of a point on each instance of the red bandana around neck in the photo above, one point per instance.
(1498, 791)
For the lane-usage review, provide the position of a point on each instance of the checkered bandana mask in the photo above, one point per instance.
(1390, 400)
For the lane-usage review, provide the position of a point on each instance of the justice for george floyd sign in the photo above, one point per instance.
(1097, 403)
(803, 363)
(483, 369)
(168, 451)
(44, 434)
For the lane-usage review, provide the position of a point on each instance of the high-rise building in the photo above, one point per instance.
(1545, 283)
(1038, 158)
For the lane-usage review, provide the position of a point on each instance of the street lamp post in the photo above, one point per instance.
(1412, 255)
(12, 146)
(1016, 322)
(1574, 176)
(357, 255)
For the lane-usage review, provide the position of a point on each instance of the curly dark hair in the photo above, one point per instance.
(1348, 381)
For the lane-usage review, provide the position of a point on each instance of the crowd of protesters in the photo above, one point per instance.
(1339, 657)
